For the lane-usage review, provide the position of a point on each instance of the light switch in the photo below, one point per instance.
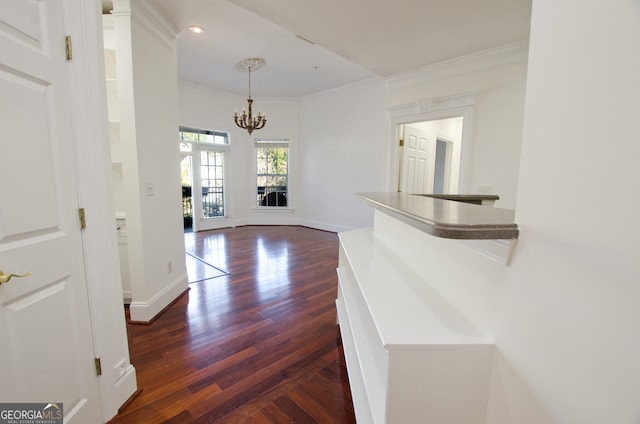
(149, 189)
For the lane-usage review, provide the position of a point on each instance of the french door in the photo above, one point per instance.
(205, 166)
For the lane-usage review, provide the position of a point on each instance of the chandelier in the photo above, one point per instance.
(247, 121)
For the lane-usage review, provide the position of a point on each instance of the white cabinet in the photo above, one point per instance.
(411, 356)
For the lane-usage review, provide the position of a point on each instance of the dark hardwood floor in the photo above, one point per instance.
(257, 345)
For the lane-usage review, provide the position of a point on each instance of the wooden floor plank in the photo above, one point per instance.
(258, 345)
(293, 411)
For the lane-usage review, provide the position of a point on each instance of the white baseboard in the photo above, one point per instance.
(334, 228)
(124, 387)
(146, 311)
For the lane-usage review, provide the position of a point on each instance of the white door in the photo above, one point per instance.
(46, 341)
(209, 208)
(418, 164)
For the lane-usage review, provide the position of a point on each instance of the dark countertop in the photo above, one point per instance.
(446, 218)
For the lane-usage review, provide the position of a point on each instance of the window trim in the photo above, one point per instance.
(272, 143)
(214, 133)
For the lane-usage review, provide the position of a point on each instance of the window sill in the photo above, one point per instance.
(213, 218)
(272, 209)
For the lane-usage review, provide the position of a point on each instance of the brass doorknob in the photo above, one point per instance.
(4, 278)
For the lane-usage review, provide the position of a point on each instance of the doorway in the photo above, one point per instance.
(429, 156)
(203, 178)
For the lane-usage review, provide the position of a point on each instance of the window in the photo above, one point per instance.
(203, 136)
(205, 151)
(272, 172)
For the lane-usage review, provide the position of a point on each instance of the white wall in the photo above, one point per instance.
(568, 326)
(344, 148)
(498, 79)
(146, 60)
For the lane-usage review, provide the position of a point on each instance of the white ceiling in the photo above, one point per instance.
(354, 39)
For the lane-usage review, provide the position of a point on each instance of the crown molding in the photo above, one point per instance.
(479, 61)
(147, 14)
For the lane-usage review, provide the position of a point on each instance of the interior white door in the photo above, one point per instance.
(418, 165)
(46, 341)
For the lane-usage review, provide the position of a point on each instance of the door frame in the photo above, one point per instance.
(431, 109)
(83, 22)
(201, 223)
(447, 160)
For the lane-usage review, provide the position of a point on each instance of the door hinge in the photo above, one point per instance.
(98, 366)
(401, 142)
(68, 49)
(83, 218)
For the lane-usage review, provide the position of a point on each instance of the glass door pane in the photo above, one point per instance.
(212, 183)
(187, 198)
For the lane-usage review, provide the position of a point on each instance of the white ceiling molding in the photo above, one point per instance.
(148, 15)
(483, 60)
(432, 104)
(451, 102)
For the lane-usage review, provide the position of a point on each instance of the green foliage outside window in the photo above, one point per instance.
(272, 165)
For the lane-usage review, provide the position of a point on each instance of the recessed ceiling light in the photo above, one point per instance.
(196, 29)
